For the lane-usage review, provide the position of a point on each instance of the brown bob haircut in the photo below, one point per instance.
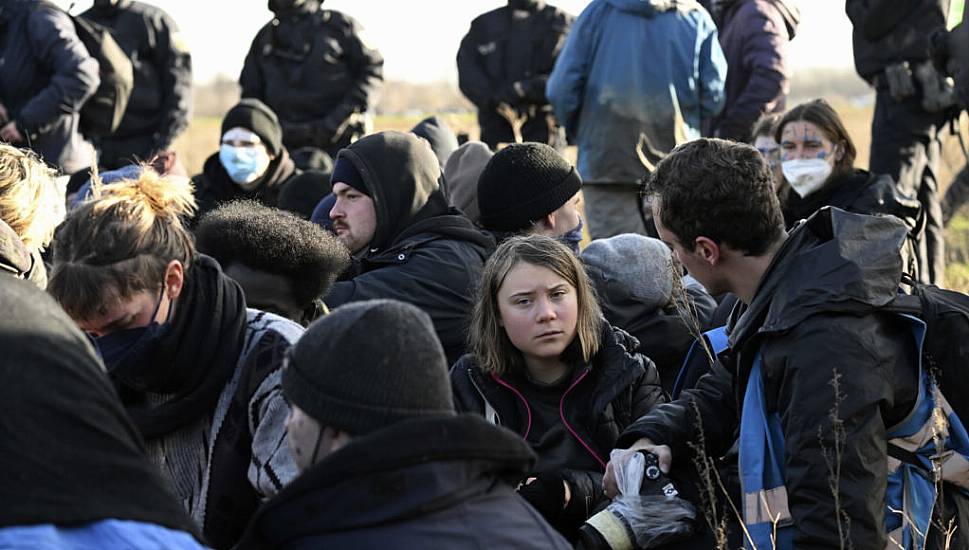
(821, 114)
(492, 349)
(120, 241)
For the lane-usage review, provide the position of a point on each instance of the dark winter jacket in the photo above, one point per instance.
(499, 51)
(602, 399)
(423, 251)
(892, 31)
(440, 482)
(754, 35)
(46, 75)
(858, 191)
(214, 186)
(158, 109)
(313, 70)
(813, 319)
(615, 95)
(16, 260)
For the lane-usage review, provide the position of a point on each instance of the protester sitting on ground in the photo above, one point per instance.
(75, 471)
(409, 244)
(252, 162)
(31, 206)
(640, 292)
(386, 462)
(284, 264)
(438, 135)
(461, 173)
(815, 365)
(546, 365)
(763, 141)
(197, 372)
(531, 188)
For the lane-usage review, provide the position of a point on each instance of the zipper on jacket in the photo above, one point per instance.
(528, 409)
(488, 406)
(569, 427)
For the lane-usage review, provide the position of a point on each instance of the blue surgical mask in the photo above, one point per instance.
(122, 347)
(244, 164)
(573, 237)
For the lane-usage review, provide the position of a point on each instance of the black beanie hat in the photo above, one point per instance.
(255, 116)
(367, 365)
(522, 183)
(344, 171)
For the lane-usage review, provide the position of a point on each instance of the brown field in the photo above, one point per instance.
(202, 138)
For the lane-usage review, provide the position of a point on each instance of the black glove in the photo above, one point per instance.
(509, 94)
(546, 494)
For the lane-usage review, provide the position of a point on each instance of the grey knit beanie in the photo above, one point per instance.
(367, 365)
(461, 173)
(640, 264)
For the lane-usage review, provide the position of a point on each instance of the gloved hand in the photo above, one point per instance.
(546, 493)
(300, 132)
(510, 94)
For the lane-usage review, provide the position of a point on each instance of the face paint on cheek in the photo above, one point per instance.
(822, 155)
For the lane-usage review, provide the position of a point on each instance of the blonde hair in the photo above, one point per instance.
(492, 349)
(120, 241)
(30, 201)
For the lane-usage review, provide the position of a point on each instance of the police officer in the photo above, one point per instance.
(912, 105)
(311, 67)
(503, 65)
(158, 110)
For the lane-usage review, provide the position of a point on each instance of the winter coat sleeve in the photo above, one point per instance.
(801, 376)
(763, 58)
(473, 79)
(713, 69)
(566, 84)
(251, 80)
(174, 65)
(74, 73)
(555, 37)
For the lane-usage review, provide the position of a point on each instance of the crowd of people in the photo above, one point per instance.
(335, 337)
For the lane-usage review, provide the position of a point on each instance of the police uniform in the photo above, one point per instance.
(506, 57)
(313, 69)
(158, 110)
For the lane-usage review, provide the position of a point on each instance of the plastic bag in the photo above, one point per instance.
(635, 520)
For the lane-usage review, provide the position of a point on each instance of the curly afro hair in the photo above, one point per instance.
(274, 241)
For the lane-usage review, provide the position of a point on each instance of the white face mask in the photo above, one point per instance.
(806, 175)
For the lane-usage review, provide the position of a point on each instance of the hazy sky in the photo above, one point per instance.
(219, 32)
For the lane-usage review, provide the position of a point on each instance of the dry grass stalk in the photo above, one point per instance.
(833, 457)
(514, 119)
(686, 308)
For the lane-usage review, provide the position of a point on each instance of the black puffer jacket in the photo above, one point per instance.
(422, 483)
(423, 252)
(815, 313)
(603, 399)
(214, 186)
(313, 70)
(499, 51)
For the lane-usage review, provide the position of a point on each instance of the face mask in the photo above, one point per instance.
(806, 175)
(122, 347)
(244, 164)
(573, 238)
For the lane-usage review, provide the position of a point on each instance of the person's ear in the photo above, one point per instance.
(174, 279)
(547, 222)
(707, 250)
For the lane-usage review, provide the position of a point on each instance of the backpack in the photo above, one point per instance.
(102, 112)
(945, 350)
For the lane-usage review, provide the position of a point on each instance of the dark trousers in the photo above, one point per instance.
(905, 145)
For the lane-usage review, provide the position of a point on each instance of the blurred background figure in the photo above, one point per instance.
(626, 107)
(47, 76)
(160, 103)
(313, 69)
(503, 66)
(754, 35)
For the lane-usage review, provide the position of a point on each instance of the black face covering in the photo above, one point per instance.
(525, 5)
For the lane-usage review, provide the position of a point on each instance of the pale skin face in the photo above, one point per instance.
(354, 217)
(562, 220)
(539, 311)
(310, 442)
(771, 151)
(698, 261)
(136, 311)
(801, 139)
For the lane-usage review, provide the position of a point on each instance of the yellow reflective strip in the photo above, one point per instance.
(768, 506)
(611, 529)
(956, 10)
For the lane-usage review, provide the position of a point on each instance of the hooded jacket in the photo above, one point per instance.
(47, 75)
(614, 94)
(814, 318)
(501, 49)
(214, 186)
(439, 482)
(438, 135)
(423, 252)
(16, 260)
(603, 398)
(754, 35)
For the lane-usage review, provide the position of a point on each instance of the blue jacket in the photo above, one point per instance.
(626, 69)
(98, 535)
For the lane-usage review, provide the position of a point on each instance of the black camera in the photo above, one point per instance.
(612, 529)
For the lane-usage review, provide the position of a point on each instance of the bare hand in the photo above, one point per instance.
(10, 134)
(662, 452)
(164, 161)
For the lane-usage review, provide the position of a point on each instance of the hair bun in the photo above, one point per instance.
(162, 195)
